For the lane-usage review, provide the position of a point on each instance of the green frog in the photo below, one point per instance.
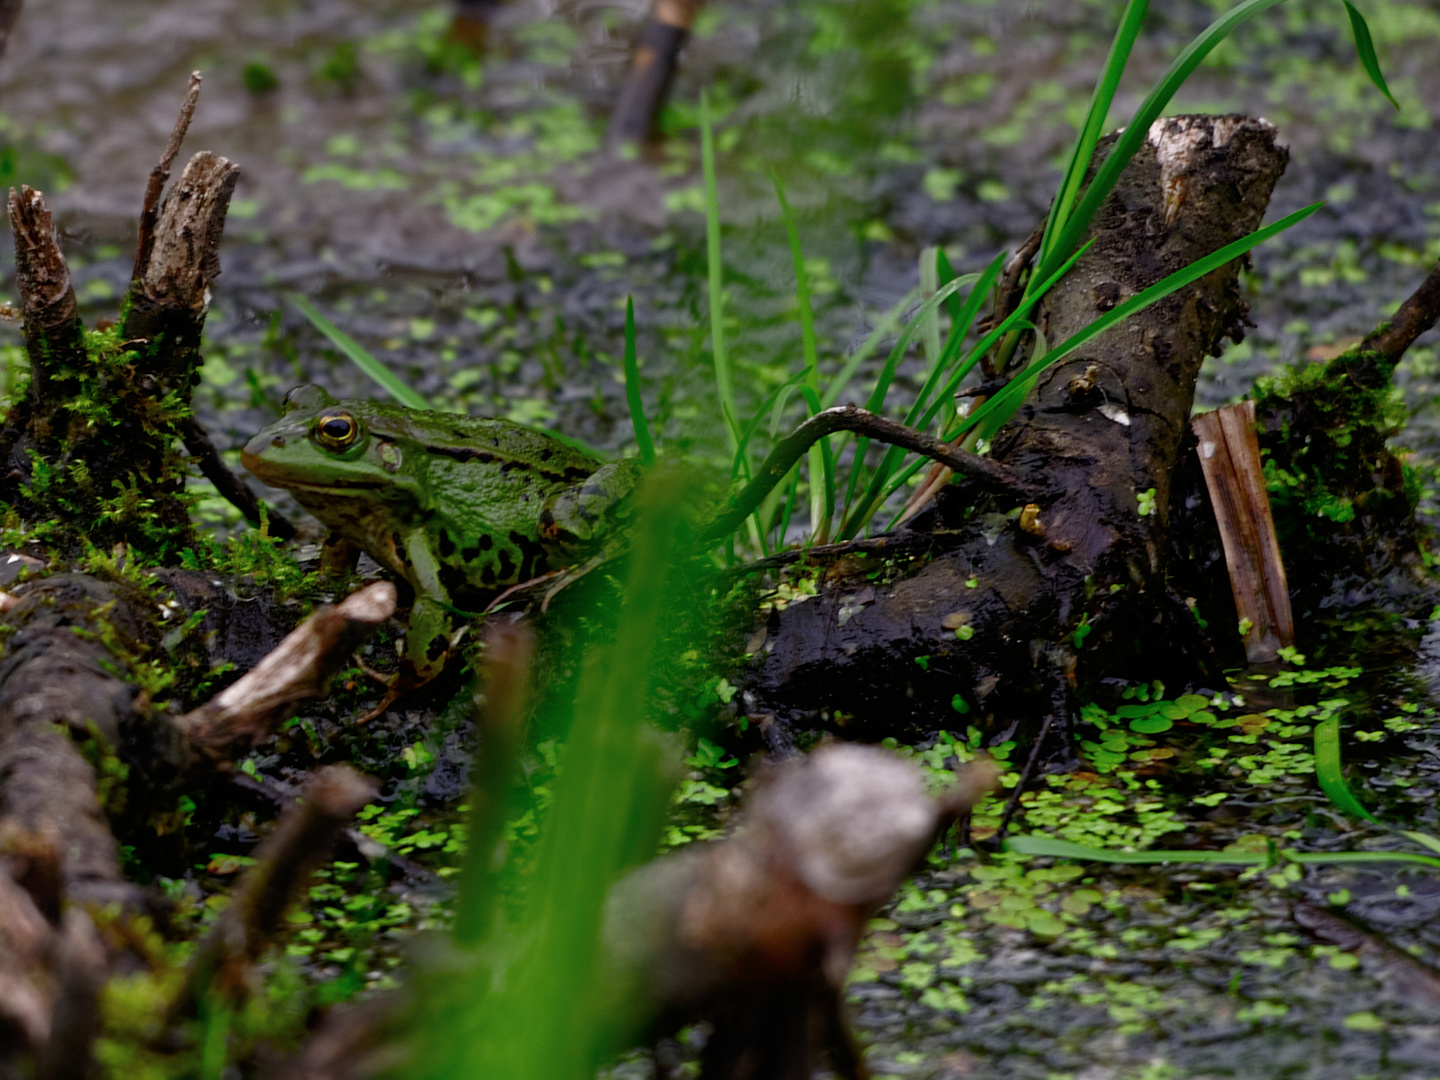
(460, 508)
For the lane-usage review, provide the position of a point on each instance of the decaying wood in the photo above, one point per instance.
(170, 297)
(59, 677)
(9, 15)
(53, 335)
(1229, 452)
(250, 709)
(1100, 429)
(159, 177)
(652, 69)
(757, 932)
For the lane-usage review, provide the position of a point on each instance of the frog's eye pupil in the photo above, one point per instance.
(337, 430)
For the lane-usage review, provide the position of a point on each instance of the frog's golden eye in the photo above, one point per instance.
(336, 431)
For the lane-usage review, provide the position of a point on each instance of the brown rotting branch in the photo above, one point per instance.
(160, 176)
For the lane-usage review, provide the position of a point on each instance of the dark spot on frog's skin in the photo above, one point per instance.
(532, 556)
(506, 466)
(447, 544)
(546, 454)
(436, 648)
(507, 567)
(574, 475)
(454, 580)
(486, 542)
(487, 577)
(470, 554)
(464, 453)
(495, 441)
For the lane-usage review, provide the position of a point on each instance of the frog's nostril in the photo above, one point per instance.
(278, 441)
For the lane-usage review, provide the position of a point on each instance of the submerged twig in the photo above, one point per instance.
(235, 490)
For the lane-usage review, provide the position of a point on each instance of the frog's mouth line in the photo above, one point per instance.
(336, 489)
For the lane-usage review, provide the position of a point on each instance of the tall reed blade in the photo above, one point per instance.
(632, 388)
(716, 273)
(387, 380)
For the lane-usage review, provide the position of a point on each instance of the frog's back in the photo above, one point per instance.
(488, 481)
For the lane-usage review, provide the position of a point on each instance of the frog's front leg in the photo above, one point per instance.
(427, 640)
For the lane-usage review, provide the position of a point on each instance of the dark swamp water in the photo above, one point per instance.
(461, 221)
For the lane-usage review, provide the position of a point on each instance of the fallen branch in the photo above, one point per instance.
(988, 474)
(300, 667)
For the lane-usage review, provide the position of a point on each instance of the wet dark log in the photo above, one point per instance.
(652, 70)
(997, 629)
(58, 686)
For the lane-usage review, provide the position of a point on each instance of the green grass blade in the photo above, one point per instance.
(1139, 127)
(1329, 772)
(1094, 125)
(883, 329)
(1423, 839)
(632, 388)
(962, 318)
(1064, 849)
(809, 350)
(1341, 858)
(995, 412)
(944, 274)
(716, 274)
(802, 288)
(1365, 47)
(1052, 847)
(386, 379)
(876, 401)
(855, 519)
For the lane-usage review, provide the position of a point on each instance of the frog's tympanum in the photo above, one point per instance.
(460, 508)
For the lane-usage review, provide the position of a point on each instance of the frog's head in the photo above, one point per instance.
(324, 445)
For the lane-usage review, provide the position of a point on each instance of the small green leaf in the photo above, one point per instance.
(1192, 702)
(1365, 48)
(1152, 725)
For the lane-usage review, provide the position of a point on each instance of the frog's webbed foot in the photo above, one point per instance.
(427, 648)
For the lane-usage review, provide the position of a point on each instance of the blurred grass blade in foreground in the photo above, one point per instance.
(527, 1003)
